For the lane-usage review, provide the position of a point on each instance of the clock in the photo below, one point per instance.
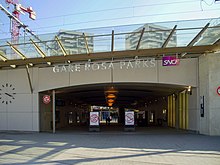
(7, 93)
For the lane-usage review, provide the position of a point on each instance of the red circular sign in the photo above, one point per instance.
(218, 90)
(94, 118)
(46, 99)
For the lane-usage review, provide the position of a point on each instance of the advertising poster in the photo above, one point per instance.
(129, 118)
(94, 119)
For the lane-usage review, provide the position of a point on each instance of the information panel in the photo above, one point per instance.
(129, 118)
(94, 119)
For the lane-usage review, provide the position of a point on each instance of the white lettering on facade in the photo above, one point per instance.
(91, 66)
(170, 62)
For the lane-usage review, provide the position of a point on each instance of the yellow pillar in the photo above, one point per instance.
(184, 110)
(187, 111)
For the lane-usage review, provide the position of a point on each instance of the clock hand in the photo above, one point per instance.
(9, 95)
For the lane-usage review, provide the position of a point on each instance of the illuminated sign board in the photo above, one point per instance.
(170, 61)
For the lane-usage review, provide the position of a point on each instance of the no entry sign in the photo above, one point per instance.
(46, 99)
(94, 118)
(129, 118)
(218, 90)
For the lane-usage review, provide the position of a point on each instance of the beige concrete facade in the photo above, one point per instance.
(209, 81)
(22, 114)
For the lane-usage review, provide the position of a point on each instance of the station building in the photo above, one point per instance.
(166, 73)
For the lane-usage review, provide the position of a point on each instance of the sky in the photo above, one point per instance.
(82, 14)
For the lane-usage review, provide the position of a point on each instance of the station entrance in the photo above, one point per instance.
(153, 105)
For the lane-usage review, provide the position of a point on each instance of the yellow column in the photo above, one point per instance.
(187, 110)
(169, 111)
(174, 112)
(181, 111)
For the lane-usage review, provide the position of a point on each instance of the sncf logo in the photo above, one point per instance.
(170, 61)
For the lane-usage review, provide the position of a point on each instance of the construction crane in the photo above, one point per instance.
(15, 25)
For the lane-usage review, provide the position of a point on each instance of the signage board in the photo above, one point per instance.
(135, 63)
(129, 118)
(94, 119)
(170, 61)
(46, 99)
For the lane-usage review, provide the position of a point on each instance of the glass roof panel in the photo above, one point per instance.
(125, 38)
(210, 36)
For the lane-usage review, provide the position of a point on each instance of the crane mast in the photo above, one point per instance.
(15, 26)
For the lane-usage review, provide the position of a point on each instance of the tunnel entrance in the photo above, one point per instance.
(149, 102)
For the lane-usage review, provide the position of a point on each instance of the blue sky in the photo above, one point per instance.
(80, 14)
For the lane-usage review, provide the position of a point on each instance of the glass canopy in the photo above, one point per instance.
(149, 36)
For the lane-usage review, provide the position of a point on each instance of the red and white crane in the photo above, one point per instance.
(15, 25)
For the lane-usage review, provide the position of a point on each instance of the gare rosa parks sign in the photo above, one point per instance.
(105, 65)
(113, 64)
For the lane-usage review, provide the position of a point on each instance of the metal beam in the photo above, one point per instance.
(116, 55)
(217, 42)
(38, 49)
(86, 43)
(29, 78)
(196, 38)
(17, 51)
(139, 41)
(112, 48)
(3, 57)
(169, 37)
(61, 46)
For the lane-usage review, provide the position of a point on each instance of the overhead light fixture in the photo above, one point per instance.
(110, 95)
(110, 100)
(189, 90)
(13, 66)
(49, 63)
(110, 104)
(31, 64)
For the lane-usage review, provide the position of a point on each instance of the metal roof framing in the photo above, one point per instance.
(139, 41)
(86, 43)
(196, 38)
(17, 51)
(155, 52)
(61, 46)
(169, 37)
(43, 55)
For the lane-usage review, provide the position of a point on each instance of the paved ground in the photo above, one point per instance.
(143, 147)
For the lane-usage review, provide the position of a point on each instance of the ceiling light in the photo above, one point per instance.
(49, 63)
(31, 64)
(111, 96)
(110, 104)
(110, 101)
(13, 66)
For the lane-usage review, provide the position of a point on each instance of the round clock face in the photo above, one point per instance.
(7, 93)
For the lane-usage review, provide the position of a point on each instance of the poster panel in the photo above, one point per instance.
(129, 118)
(94, 119)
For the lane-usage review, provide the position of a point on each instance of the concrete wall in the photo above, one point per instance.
(193, 111)
(23, 112)
(184, 74)
(209, 78)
